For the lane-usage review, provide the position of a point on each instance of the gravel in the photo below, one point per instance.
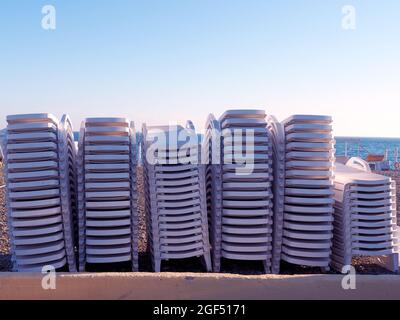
(363, 265)
(5, 258)
(141, 210)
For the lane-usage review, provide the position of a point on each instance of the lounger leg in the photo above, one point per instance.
(325, 269)
(392, 262)
(267, 267)
(216, 265)
(207, 262)
(135, 266)
(157, 265)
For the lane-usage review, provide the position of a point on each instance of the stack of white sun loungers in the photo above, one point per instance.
(108, 218)
(211, 157)
(69, 188)
(240, 188)
(41, 191)
(277, 134)
(365, 217)
(175, 195)
(308, 209)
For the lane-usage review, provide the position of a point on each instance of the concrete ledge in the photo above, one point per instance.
(171, 286)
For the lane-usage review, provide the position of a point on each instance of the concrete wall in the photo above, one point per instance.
(196, 286)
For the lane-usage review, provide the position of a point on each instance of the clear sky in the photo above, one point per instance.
(161, 61)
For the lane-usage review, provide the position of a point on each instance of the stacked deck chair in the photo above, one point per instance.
(108, 216)
(69, 182)
(277, 134)
(41, 191)
(308, 209)
(365, 217)
(240, 187)
(175, 195)
(211, 157)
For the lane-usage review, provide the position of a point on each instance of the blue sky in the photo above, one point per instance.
(161, 61)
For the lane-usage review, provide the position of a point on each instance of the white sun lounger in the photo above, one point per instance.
(308, 201)
(108, 215)
(240, 197)
(365, 216)
(176, 204)
(41, 190)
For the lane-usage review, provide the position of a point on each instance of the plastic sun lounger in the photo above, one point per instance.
(108, 216)
(309, 197)
(241, 195)
(365, 216)
(176, 203)
(33, 250)
(39, 171)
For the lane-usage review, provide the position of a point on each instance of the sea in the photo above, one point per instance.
(361, 147)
